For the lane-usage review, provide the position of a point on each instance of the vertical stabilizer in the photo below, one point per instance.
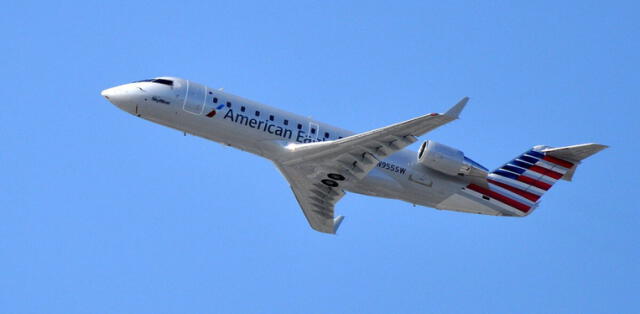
(518, 185)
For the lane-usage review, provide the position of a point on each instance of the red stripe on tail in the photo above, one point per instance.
(528, 195)
(559, 162)
(500, 197)
(536, 183)
(546, 172)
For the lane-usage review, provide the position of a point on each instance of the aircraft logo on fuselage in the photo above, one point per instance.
(213, 112)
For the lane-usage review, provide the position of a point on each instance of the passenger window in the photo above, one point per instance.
(326, 134)
(313, 131)
(215, 100)
(286, 122)
(257, 113)
(299, 126)
(270, 117)
(241, 108)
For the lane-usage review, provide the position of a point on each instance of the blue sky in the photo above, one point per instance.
(101, 212)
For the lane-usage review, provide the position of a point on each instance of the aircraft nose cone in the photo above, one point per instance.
(117, 95)
(107, 93)
(121, 97)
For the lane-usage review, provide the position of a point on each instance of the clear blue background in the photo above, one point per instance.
(102, 212)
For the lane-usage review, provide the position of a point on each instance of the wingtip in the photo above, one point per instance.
(336, 223)
(455, 111)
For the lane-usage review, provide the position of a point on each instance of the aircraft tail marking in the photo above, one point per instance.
(521, 182)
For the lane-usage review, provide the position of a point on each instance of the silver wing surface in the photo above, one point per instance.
(316, 171)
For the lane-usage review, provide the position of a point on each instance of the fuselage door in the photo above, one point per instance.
(196, 97)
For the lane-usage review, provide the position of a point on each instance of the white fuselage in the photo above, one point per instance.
(263, 130)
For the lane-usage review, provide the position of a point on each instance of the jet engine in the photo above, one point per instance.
(448, 160)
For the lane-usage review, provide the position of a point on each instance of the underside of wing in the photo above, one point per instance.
(316, 199)
(317, 172)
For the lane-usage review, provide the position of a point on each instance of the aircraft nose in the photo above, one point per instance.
(120, 96)
(113, 92)
(107, 93)
(117, 95)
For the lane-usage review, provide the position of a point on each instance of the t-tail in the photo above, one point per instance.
(515, 188)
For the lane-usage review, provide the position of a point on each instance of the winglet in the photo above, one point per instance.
(336, 223)
(454, 112)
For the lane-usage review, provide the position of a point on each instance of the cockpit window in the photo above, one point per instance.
(160, 81)
(163, 81)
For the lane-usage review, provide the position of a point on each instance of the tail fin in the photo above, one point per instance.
(519, 184)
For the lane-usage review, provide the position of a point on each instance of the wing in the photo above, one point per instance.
(318, 171)
(316, 199)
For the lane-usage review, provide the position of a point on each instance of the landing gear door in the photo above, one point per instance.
(195, 99)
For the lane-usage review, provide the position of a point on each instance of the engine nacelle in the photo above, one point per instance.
(448, 160)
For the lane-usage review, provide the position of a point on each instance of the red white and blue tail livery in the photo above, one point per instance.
(517, 186)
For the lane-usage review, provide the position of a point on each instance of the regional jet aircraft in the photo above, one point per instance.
(323, 162)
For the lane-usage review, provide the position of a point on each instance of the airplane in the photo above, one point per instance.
(322, 162)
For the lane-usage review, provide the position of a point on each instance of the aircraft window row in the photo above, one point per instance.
(272, 118)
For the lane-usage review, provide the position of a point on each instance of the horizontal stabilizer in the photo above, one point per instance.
(575, 154)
